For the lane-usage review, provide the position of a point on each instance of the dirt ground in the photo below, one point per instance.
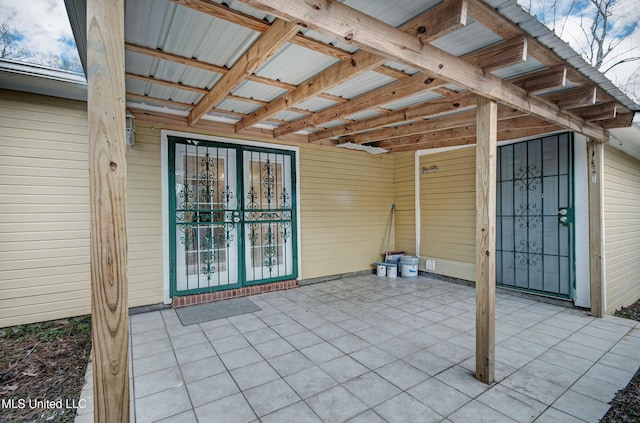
(42, 368)
(625, 406)
(43, 365)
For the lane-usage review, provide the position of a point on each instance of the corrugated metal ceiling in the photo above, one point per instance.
(180, 30)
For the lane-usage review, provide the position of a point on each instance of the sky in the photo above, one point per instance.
(43, 27)
(572, 18)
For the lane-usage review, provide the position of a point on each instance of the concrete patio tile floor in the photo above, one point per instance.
(371, 349)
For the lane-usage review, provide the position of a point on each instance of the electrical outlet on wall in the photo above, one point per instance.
(430, 265)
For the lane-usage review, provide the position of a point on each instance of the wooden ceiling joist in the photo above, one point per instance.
(545, 79)
(433, 107)
(338, 20)
(449, 17)
(572, 98)
(453, 120)
(386, 94)
(500, 55)
(507, 129)
(598, 112)
(622, 120)
(438, 21)
(361, 61)
(222, 11)
(486, 58)
(163, 82)
(278, 33)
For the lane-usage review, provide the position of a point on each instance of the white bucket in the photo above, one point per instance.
(392, 271)
(409, 267)
(381, 269)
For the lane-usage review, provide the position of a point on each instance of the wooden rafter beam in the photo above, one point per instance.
(163, 82)
(386, 94)
(337, 20)
(604, 111)
(361, 61)
(434, 124)
(456, 137)
(175, 58)
(441, 19)
(500, 55)
(440, 105)
(572, 98)
(622, 120)
(485, 58)
(222, 11)
(542, 80)
(488, 17)
(164, 101)
(278, 33)
(461, 129)
(438, 21)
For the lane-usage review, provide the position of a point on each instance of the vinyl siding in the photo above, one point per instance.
(144, 218)
(405, 200)
(345, 199)
(448, 212)
(44, 209)
(622, 228)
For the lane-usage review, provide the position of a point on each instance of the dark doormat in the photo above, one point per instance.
(200, 313)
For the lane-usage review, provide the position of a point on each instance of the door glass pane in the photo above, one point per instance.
(268, 216)
(206, 235)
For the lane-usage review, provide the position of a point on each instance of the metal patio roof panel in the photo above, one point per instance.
(363, 115)
(187, 75)
(329, 40)
(400, 12)
(194, 34)
(362, 83)
(258, 91)
(140, 64)
(530, 65)
(288, 116)
(294, 64)
(412, 100)
(237, 106)
(467, 39)
(315, 104)
(146, 21)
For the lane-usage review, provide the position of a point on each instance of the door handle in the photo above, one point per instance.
(562, 212)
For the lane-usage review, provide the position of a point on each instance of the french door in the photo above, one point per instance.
(535, 216)
(232, 216)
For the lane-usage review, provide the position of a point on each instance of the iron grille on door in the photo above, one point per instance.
(232, 216)
(534, 228)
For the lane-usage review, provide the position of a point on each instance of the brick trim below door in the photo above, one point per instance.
(233, 293)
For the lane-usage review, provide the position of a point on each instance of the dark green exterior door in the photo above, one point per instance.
(232, 216)
(534, 227)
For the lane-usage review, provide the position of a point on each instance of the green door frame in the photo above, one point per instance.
(241, 211)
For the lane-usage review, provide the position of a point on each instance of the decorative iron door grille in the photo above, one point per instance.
(534, 227)
(232, 216)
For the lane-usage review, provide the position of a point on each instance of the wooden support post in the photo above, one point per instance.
(595, 152)
(107, 196)
(486, 151)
